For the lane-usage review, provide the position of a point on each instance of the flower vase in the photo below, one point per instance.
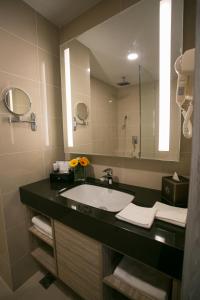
(79, 173)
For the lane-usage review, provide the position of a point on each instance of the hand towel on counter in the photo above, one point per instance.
(137, 215)
(43, 225)
(171, 214)
(143, 278)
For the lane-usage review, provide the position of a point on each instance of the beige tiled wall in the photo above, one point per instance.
(146, 173)
(104, 117)
(132, 171)
(29, 59)
(148, 119)
(141, 172)
(107, 106)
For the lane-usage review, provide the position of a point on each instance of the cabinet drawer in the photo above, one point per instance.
(79, 261)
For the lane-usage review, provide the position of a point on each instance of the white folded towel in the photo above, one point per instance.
(143, 278)
(43, 225)
(137, 215)
(171, 214)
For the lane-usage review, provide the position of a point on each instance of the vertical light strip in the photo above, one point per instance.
(68, 98)
(10, 99)
(164, 75)
(11, 108)
(45, 106)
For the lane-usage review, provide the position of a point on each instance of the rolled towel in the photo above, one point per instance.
(137, 215)
(43, 225)
(143, 278)
(171, 214)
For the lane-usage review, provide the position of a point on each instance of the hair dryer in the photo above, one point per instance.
(184, 67)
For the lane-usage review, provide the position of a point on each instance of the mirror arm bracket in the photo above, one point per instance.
(18, 119)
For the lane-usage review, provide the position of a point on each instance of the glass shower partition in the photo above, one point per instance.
(148, 115)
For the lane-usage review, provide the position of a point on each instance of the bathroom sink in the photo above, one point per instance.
(99, 197)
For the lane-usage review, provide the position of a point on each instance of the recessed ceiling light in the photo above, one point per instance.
(132, 56)
(88, 69)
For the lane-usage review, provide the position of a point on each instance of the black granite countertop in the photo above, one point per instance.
(161, 246)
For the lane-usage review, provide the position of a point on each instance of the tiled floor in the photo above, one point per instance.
(32, 290)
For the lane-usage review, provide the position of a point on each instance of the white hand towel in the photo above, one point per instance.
(42, 223)
(171, 214)
(137, 215)
(144, 278)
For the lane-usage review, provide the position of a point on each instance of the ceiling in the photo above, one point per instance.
(61, 12)
(130, 31)
(133, 30)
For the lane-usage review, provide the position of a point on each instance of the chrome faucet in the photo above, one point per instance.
(108, 177)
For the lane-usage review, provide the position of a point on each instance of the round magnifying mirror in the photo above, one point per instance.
(82, 111)
(17, 101)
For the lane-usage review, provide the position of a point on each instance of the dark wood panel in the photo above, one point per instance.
(191, 270)
(189, 24)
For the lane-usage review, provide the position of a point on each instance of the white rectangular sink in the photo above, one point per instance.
(99, 197)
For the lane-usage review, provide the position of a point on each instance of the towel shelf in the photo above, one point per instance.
(130, 292)
(41, 236)
(45, 259)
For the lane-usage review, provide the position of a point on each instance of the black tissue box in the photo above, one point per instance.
(62, 177)
(175, 192)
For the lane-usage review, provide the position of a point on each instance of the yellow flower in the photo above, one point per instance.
(84, 161)
(73, 163)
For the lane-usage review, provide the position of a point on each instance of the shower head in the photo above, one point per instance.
(124, 82)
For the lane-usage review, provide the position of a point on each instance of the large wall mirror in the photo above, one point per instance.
(123, 71)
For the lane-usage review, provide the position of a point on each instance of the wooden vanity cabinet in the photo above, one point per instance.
(79, 261)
